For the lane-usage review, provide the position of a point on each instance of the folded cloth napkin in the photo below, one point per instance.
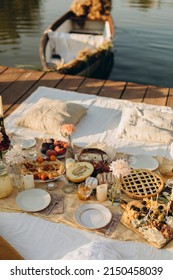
(56, 205)
(146, 125)
(109, 228)
(95, 250)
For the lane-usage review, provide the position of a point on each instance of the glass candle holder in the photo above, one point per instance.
(84, 191)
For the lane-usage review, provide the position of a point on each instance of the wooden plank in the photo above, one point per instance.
(156, 95)
(112, 89)
(91, 86)
(170, 98)
(49, 79)
(134, 92)
(3, 68)
(15, 70)
(6, 79)
(71, 83)
(17, 89)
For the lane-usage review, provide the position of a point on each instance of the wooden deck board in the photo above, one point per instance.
(134, 92)
(91, 86)
(156, 95)
(18, 84)
(71, 83)
(112, 89)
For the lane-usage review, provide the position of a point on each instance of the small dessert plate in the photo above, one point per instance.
(143, 162)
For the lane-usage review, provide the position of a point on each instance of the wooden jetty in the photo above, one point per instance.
(17, 84)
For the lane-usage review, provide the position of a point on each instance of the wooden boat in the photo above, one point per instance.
(77, 46)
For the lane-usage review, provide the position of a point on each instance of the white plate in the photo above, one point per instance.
(24, 142)
(143, 162)
(33, 200)
(93, 216)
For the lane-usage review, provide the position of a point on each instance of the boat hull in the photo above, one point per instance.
(89, 62)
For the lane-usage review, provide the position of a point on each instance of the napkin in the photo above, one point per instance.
(56, 205)
(109, 228)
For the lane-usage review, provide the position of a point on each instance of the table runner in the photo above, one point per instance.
(67, 218)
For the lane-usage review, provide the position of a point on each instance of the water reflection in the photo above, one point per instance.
(14, 15)
(144, 4)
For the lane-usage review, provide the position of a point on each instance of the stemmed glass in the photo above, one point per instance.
(18, 181)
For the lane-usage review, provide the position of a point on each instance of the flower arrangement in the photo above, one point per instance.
(4, 142)
(15, 156)
(120, 168)
(67, 130)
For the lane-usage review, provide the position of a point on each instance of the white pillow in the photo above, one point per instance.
(146, 126)
(47, 115)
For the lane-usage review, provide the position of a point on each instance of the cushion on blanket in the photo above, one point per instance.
(146, 125)
(95, 250)
(47, 115)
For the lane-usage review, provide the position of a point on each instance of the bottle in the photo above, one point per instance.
(6, 186)
(4, 139)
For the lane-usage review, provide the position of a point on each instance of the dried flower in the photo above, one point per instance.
(120, 168)
(1, 137)
(15, 155)
(67, 129)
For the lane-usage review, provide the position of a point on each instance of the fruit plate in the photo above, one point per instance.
(45, 171)
(51, 147)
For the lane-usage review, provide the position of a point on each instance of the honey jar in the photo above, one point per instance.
(84, 191)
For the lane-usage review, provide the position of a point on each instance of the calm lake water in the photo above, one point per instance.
(143, 46)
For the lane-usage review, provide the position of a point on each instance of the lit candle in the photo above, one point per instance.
(101, 192)
(28, 181)
(1, 107)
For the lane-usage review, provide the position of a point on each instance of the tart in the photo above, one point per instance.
(142, 183)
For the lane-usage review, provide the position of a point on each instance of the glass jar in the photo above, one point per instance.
(84, 191)
(6, 186)
(115, 192)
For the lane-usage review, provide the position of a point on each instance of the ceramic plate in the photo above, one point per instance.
(143, 162)
(93, 216)
(24, 142)
(33, 200)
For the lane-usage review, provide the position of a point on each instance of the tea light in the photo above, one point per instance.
(28, 181)
(101, 192)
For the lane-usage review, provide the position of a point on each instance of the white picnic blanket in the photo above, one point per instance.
(36, 238)
(101, 122)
